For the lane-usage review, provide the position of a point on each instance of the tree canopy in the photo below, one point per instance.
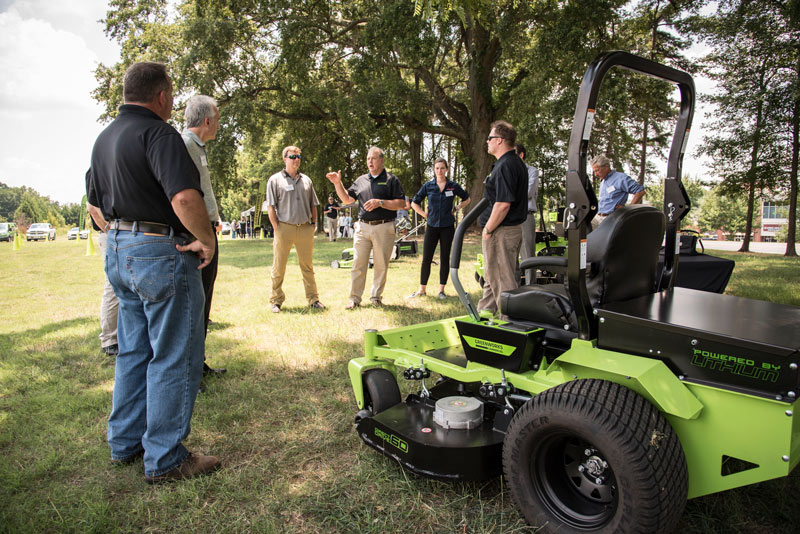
(425, 78)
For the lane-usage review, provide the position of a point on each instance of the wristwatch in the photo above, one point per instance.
(380, 203)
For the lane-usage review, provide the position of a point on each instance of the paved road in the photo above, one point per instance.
(764, 248)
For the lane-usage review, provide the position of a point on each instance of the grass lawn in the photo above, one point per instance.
(280, 419)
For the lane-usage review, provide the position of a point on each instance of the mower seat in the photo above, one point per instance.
(622, 260)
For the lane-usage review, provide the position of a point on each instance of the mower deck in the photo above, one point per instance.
(408, 434)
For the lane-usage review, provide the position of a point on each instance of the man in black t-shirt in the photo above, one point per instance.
(331, 213)
(379, 196)
(506, 188)
(148, 189)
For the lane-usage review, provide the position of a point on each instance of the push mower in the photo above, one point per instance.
(606, 401)
(401, 247)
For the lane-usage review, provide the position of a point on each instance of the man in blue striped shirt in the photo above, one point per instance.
(615, 187)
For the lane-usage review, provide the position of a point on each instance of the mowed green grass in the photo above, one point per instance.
(280, 419)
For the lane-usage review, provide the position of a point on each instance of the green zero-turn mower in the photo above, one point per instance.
(605, 401)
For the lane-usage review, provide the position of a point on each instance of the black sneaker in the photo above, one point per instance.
(111, 350)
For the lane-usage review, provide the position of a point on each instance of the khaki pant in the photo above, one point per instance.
(378, 239)
(302, 237)
(500, 254)
(109, 305)
(333, 225)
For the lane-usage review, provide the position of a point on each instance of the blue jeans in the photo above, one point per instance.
(161, 340)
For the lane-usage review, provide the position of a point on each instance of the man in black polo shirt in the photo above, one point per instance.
(331, 215)
(148, 189)
(506, 188)
(380, 195)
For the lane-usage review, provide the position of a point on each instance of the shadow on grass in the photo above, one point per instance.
(283, 429)
(281, 421)
(217, 326)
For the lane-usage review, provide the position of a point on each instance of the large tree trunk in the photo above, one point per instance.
(485, 51)
(791, 249)
(751, 173)
(479, 162)
(643, 153)
(748, 228)
(415, 153)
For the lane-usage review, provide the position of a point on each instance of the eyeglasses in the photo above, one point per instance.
(294, 156)
(494, 137)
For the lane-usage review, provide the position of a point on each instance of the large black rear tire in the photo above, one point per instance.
(594, 456)
(381, 389)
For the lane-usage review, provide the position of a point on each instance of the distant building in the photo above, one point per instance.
(773, 217)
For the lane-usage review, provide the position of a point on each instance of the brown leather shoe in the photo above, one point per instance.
(193, 466)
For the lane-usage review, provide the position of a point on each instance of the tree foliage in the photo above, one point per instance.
(425, 78)
(338, 76)
(754, 49)
(25, 206)
(722, 211)
(696, 190)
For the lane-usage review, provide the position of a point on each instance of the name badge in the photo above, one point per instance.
(203, 160)
(448, 193)
(290, 187)
(611, 188)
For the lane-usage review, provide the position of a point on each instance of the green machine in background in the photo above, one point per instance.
(605, 401)
(550, 241)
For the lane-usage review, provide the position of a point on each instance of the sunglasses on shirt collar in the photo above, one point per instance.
(294, 156)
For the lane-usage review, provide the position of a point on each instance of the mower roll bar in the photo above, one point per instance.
(581, 199)
(455, 255)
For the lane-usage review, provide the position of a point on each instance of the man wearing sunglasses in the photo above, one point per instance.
(380, 195)
(292, 205)
(506, 188)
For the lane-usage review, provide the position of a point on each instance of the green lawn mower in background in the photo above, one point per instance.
(549, 242)
(606, 401)
(402, 246)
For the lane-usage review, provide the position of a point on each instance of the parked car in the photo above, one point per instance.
(40, 231)
(226, 228)
(73, 233)
(7, 230)
(85, 234)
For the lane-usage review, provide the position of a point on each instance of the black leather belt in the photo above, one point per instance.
(379, 221)
(146, 228)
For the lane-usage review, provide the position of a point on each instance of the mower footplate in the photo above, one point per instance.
(407, 433)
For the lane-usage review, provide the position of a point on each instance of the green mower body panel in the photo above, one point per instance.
(730, 439)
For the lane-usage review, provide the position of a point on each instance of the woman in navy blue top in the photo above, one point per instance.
(441, 226)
